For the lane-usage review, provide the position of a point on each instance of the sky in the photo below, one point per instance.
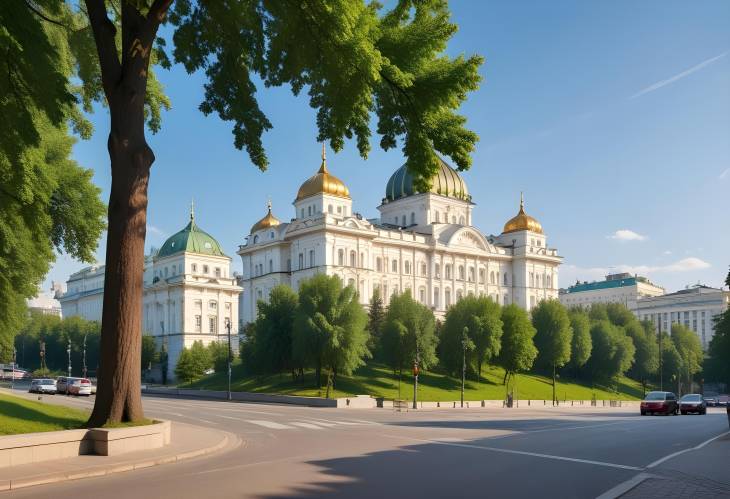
(612, 117)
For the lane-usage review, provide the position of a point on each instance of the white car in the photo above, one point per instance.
(43, 385)
(79, 386)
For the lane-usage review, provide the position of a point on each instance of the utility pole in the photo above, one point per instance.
(228, 327)
(85, 356)
(464, 339)
(415, 378)
(68, 351)
(43, 357)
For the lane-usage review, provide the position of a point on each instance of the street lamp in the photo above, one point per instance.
(464, 340)
(228, 327)
(68, 351)
(85, 356)
(415, 377)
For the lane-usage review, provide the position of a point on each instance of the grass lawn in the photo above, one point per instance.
(379, 381)
(19, 415)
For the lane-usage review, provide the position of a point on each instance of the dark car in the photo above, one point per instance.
(692, 402)
(659, 403)
(723, 400)
(710, 401)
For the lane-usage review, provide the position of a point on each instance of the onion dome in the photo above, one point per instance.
(191, 240)
(267, 222)
(323, 182)
(447, 182)
(522, 221)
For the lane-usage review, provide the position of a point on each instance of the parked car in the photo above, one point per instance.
(43, 385)
(79, 386)
(693, 402)
(659, 403)
(93, 388)
(723, 400)
(710, 401)
(62, 384)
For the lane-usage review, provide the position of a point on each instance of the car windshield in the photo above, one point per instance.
(655, 396)
(691, 398)
(47, 382)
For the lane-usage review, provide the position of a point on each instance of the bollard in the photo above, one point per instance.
(438, 404)
(528, 402)
(571, 403)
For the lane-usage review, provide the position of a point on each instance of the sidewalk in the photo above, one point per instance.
(187, 442)
(699, 474)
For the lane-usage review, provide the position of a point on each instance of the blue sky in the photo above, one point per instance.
(612, 117)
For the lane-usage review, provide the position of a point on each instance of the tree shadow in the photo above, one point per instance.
(27, 414)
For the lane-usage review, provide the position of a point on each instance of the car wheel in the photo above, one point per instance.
(643, 413)
(684, 413)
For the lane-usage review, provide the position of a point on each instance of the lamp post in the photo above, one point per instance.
(85, 370)
(464, 339)
(68, 351)
(228, 327)
(415, 378)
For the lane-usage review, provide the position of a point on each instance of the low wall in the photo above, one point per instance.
(38, 447)
(266, 398)
(522, 404)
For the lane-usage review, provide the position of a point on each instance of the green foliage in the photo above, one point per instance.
(329, 326)
(689, 349)
(408, 333)
(581, 345)
(671, 362)
(554, 334)
(646, 358)
(619, 314)
(219, 355)
(483, 319)
(150, 355)
(598, 312)
(376, 316)
(193, 362)
(518, 351)
(270, 341)
(613, 351)
(717, 365)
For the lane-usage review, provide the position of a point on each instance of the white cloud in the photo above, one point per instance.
(627, 235)
(667, 252)
(725, 174)
(678, 76)
(155, 231)
(573, 272)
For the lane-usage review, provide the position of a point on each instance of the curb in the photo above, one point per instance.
(228, 439)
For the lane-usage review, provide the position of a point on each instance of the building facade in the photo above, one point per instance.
(47, 302)
(695, 307)
(423, 242)
(617, 288)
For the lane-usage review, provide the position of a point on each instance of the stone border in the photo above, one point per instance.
(265, 398)
(47, 446)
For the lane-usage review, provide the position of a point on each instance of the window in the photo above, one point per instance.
(165, 271)
(447, 271)
(205, 269)
(302, 212)
(362, 259)
(351, 282)
(394, 266)
(301, 261)
(329, 209)
(379, 264)
(403, 221)
(339, 209)
(532, 280)
(413, 218)
(482, 274)
(406, 267)
(505, 279)
(437, 270)
(271, 235)
(461, 272)
(212, 324)
(459, 294)
(437, 217)
(422, 295)
(436, 297)
(311, 258)
(213, 305)
(424, 270)
(255, 239)
(271, 266)
(506, 300)
(198, 323)
(492, 278)
(217, 271)
(353, 259)
(288, 264)
(453, 219)
(447, 298)
(462, 221)
(340, 257)
(471, 274)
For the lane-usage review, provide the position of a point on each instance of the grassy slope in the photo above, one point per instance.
(379, 381)
(19, 415)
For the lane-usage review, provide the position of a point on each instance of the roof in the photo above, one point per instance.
(446, 182)
(593, 286)
(191, 239)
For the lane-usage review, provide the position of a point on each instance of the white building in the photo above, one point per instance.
(617, 288)
(695, 307)
(423, 241)
(47, 302)
(190, 293)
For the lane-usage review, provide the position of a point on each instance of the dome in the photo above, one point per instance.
(446, 182)
(323, 183)
(191, 240)
(267, 222)
(522, 221)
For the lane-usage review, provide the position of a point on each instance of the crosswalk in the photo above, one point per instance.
(306, 423)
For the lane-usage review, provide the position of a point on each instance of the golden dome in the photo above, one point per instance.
(267, 222)
(522, 221)
(323, 183)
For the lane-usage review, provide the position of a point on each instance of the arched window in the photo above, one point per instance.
(436, 297)
(497, 280)
(302, 212)
(403, 221)
(447, 297)
(437, 270)
(424, 269)
(407, 267)
(447, 271)
(351, 282)
(311, 258)
(413, 218)
(301, 261)
(549, 282)
(309, 211)
(422, 295)
(255, 239)
(505, 278)
(394, 266)
(329, 209)
(340, 257)
(482, 273)
(491, 278)
(461, 272)
(353, 259)
(379, 264)
(271, 235)
(271, 265)
(471, 274)
(462, 221)
(339, 209)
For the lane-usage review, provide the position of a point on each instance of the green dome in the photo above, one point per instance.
(191, 240)
(447, 182)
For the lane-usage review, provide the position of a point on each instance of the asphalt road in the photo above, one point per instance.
(297, 452)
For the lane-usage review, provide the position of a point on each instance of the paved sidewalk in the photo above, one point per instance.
(187, 442)
(700, 474)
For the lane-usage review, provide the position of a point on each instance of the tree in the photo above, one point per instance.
(329, 328)
(671, 362)
(482, 317)
(598, 312)
(271, 342)
(619, 314)
(150, 355)
(581, 345)
(193, 362)
(717, 365)
(408, 334)
(355, 59)
(646, 358)
(690, 350)
(376, 315)
(553, 337)
(613, 351)
(219, 355)
(518, 351)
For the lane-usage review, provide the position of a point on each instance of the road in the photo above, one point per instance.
(299, 452)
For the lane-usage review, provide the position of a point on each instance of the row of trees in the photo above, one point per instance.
(718, 362)
(324, 328)
(195, 361)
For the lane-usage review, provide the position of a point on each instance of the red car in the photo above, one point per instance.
(660, 403)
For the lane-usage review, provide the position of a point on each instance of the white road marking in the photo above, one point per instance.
(347, 423)
(675, 454)
(520, 453)
(270, 424)
(307, 425)
(624, 487)
(319, 422)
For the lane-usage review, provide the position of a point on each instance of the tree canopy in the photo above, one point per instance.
(581, 345)
(270, 343)
(408, 332)
(518, 350)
